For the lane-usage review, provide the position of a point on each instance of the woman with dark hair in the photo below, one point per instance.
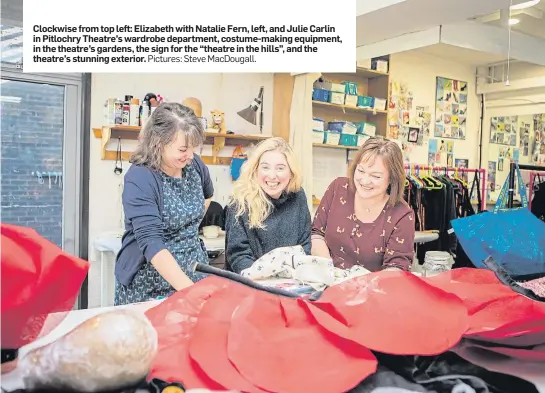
(164, 202)
(362, 219)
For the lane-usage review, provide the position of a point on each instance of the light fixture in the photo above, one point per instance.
(513, 21)
(250, 113)
(526, 4)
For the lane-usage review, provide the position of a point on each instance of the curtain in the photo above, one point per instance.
(301, 128)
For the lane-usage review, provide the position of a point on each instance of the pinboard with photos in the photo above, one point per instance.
(450, 108)
(503, 130)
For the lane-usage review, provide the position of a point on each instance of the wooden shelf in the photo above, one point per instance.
(361, 73)
(350, 108)
(218, 141)
(335, 146)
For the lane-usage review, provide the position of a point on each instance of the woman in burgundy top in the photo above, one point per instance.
(363, 219)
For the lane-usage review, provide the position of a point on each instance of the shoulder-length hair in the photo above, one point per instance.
(392, 157)
(248, 196)
(160, 130)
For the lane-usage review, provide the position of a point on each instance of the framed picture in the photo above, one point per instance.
(503, 130)
(450, 108)
(413, 134)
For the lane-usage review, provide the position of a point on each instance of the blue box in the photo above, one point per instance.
(348, 140)
(320, 95)
(366, 102)
(350, 88)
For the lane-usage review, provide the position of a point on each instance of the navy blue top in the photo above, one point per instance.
(288, 224)
(143, 203)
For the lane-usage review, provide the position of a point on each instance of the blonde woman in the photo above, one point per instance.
(268, 209)
(363, 219)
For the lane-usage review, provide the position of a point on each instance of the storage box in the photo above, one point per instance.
(380, 65)
(318, 136)
(364, 63)
(365, 102)
(330, 86)
(348, 140)
(336, 98)
(350, 88)
(321, 95)
(332, 138)
(318, 124)
(362, 139)
(379, 104)
(344, 127)
(366, 128)
(351, 100)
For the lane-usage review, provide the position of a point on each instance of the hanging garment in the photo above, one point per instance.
(538, 202)
(433, 202)
(466, 210)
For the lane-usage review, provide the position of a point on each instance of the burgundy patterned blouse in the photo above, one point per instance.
(387, 242)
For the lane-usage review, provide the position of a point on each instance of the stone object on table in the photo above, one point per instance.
(109, 351)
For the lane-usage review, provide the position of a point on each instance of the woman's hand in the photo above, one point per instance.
(168, 268)
(319, 248)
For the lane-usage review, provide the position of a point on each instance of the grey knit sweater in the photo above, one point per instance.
(288, 224)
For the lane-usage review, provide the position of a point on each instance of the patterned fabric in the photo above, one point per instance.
(182, 213)
(293, 263)
(386, 242)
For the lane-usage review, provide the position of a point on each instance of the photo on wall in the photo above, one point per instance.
(450, 108)
(503, 130)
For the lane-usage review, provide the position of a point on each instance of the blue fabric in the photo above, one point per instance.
(143, 204)
(515, 238)
(236, 165)
(182, 212)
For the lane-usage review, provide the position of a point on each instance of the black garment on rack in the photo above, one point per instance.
(433, 202)
(448, 240)
(538, 202)
(466, 210)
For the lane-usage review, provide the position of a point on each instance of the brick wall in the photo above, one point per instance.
(32, 143)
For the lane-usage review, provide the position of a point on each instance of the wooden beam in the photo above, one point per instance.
(282, 96)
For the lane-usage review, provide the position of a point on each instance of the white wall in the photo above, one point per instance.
(418, 71)
(228, 92)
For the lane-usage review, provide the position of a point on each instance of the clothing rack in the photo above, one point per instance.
(481, 173)
(512, 173)
(531, 188)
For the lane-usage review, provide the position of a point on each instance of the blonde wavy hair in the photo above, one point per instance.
(248, 196)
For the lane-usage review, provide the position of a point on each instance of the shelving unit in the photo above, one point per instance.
(107, 133)
(370, 83)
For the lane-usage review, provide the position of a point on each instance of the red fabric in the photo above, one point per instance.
(220, 335)
(496, 311)
(395, 313)
(174, 320)
(277, 345)
(38, 278)
(208, 342)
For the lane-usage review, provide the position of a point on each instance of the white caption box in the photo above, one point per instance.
(180, 36)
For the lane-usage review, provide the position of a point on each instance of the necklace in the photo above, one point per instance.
(368, 209)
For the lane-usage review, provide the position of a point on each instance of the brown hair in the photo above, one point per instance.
(393, 160)
(161, 128)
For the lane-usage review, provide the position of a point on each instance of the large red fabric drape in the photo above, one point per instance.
(222, 335)
(38, 278)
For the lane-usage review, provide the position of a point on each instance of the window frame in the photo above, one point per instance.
(76, 158)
